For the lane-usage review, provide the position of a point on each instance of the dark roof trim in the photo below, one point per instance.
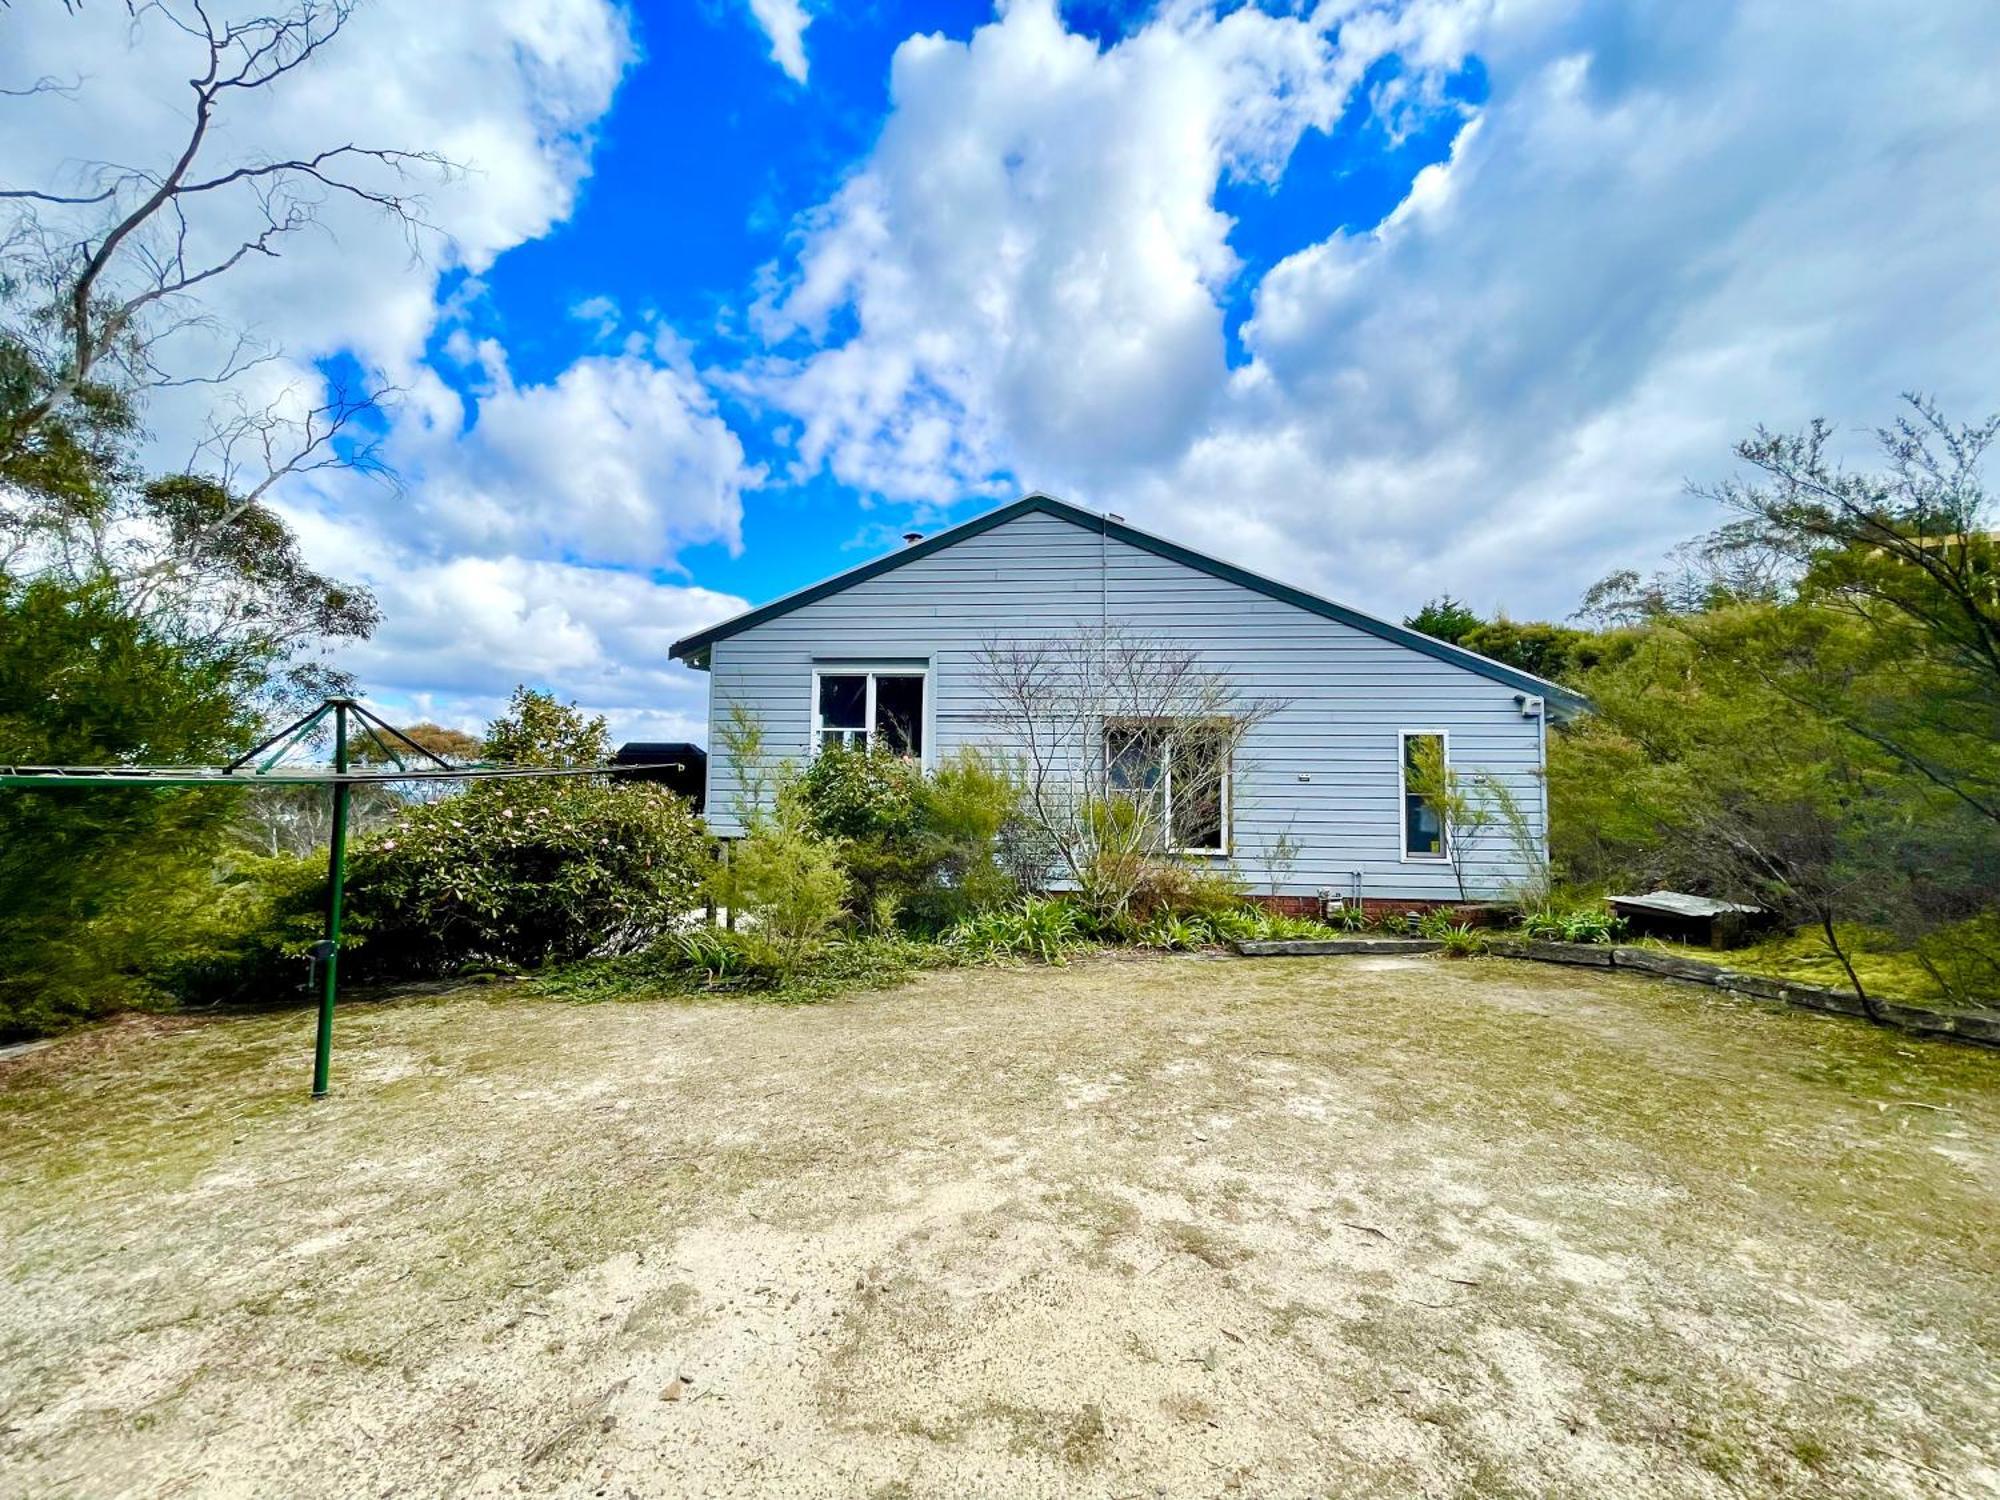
(694, 649)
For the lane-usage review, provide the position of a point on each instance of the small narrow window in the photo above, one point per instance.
(1200, 788)
(899, 715)
(843, 710)
(1423, 769)
(863, 710)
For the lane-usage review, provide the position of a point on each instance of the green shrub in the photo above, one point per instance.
(1463, 941)
(1047, 928)
(788, 880)
(514, 874)
(1177, 934)
(1259, 924)
(922, 851)
(1580, 924)
(704, 960)
(247, 944)
(1184, 890)
(966, 808)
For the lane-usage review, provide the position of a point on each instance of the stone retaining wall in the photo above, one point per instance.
(1973, 1026)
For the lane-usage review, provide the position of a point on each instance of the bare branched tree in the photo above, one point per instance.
(1127, 745)
(104, 276)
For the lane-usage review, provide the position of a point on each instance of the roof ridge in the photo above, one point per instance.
(1039, 501)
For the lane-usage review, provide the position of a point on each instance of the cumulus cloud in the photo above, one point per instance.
(530, 517)
(784, 23)
(509, 91)
(1659, 229)
(460, 632)
(1032, 251)
(621, 459)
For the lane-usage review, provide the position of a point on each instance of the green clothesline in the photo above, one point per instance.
(259, 766)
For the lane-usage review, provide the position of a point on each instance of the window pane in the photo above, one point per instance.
(899, 715)
(1132, 754)
(1423, 826)
(843, 701)
(1196, 773)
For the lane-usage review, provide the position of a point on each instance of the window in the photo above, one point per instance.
(1182, 773)
(861, 709)
(1424, 757)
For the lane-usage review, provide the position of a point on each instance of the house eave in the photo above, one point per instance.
(695, 649)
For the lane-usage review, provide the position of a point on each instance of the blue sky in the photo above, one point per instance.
(1388, 298)
(748, 149)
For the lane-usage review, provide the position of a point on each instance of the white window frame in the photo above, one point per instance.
(866, 734)
(1220, 851)
(1403, 738)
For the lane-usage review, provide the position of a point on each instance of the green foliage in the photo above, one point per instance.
(862, 795)
(921, 850)
(1581, 924)
(539, 730)
(1045, 928)
(1176, 933)
(513, 874)
(710, 961)
(967, 807)
(1257, 924)
(788, 881)
(1806, 713)
(1445, 619)
(88, 875)
(1185, 890)
(1553, 651)
(869, 803)
(1463, 941)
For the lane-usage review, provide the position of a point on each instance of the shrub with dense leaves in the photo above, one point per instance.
(1581, 924)
(1047, 928)
(789, 882)
(515, 874)
(871, 804)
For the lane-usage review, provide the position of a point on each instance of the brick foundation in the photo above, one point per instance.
(1476, 913)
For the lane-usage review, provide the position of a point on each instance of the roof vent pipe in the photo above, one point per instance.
(911, 538)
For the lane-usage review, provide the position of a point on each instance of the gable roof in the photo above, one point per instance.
(693, 649)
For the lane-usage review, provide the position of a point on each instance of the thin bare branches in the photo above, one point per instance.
(1127, 746)
(120, 288)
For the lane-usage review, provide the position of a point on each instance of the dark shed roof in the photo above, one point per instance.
(684, 767)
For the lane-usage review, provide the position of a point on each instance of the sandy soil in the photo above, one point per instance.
(1172, 1227)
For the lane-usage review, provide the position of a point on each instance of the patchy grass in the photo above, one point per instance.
(1374, 1226)
(1888, 970)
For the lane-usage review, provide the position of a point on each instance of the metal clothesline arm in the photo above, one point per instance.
(55, 776)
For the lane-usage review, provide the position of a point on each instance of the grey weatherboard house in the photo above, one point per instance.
(889, 652)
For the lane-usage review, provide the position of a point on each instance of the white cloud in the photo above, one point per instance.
(460, 632)
(1032, 251)
(1662, 227)
(784, 22)
(621, 459)
(518, 547)
(509, 90)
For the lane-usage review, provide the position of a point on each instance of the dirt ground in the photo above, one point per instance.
(1140, 1227)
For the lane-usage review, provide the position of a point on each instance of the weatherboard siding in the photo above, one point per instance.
(1346, 693)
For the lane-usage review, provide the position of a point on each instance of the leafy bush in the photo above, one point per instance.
(1177, 934)
(708, 960)
(515, 874)
(1258, 924)
(1581, 924)
(968, 806)
(920, 849)
(788, 880)
(1047, 928)
(1184, 890)
(1463, 941)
